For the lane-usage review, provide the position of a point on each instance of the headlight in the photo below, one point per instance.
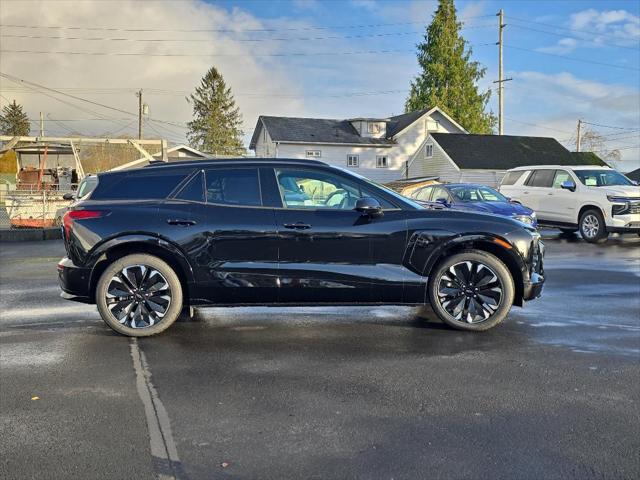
(533, 215)
(617, 199)
(524, 219)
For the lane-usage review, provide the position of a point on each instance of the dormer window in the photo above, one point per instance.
(373, 127)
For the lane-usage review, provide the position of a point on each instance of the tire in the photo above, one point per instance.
(592, 227)
(479, 312)
(146, 307)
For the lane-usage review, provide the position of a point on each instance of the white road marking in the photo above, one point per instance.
(163, 447)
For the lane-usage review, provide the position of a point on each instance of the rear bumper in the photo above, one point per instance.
(74, 281)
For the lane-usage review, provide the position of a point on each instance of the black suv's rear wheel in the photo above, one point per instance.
(139, 295)
(472, 290)
(592, 227)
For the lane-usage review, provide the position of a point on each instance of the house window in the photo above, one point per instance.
(428, 150)
(381, 161)
(373, 127)
(314, 153)
(353, 160)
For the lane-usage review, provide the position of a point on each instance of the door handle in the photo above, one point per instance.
(526, 193)
(550, 193)
(297, 226)
(181, 222)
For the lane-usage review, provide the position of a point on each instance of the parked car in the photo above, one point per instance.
(85, 187)
(148, 242)
(474, 198)
(595, 200)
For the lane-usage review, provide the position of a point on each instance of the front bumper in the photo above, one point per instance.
(74, 281)
(628, 223)
(533, 288)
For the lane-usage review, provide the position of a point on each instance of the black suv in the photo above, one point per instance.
(148, 243)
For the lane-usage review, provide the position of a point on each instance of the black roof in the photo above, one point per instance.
(313, 130)
(634, 175)
(502, 152)
(589, 158)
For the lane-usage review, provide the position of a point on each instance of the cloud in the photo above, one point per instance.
(603, 25)
(564, 46)
(551, 104)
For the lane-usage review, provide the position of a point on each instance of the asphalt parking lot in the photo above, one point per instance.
(339, 393)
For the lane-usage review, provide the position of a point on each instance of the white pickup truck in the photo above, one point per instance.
(595, 200)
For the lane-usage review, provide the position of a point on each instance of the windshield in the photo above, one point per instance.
(601, 178)
(473, 193)
(387, 190)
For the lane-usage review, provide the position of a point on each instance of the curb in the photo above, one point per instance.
(34, 235)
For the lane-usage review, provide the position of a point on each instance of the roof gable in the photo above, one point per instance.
(502, 152)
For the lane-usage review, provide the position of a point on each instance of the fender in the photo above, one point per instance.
(426, 247)
(152, 240)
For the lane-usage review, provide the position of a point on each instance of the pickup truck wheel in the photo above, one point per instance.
(139, 295)
(472, 290)
(592, 227)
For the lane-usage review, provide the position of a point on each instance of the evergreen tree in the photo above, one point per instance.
(14, 121)
(449, 78)
(217, 123)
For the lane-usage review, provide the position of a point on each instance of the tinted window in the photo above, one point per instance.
(315, 189)
(194, 190)
(541, 178)
(233, 186)
(561, 176)
(512, 177)
(140, 185)
(472, 193)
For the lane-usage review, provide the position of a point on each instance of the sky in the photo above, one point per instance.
(568, 60)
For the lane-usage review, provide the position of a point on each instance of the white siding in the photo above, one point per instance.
(265, 148)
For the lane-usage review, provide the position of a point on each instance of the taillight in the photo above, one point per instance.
(72, 215)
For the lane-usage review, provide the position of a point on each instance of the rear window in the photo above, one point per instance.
(233, 186)
(541, 178)
(139, 185)
(512, 177)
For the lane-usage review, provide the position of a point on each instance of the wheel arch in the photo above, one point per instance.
(116, 248)
(508, 256)
(590, 206)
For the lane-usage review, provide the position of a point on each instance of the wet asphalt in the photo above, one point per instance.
(340, 393)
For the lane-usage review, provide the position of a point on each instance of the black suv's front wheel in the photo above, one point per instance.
(139, 295)
(472, 290)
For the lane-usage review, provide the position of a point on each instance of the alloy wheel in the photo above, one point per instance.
(138, 296)
(590, 226)
(470, 292)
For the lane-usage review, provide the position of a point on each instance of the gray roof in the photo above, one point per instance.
(502, 152)
(313, 130)
(320, 130)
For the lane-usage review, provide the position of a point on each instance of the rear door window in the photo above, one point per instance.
(424, 194)
(233, 186)
(193, 191)
(541, 178)
(155, 184)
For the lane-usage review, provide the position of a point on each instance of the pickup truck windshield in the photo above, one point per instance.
(601, 178)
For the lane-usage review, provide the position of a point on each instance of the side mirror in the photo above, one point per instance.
(442, 201)
(369, 206)
(568, 185)
(68, 196)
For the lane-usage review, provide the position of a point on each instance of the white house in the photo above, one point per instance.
(379, 148)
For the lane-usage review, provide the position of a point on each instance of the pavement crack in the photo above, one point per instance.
(165, 460)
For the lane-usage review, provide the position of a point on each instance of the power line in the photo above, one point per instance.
(558, 27)
(575, 59)
(609, 126)
(575, 38)
(142, 54)
(226, 30)
(538, 125)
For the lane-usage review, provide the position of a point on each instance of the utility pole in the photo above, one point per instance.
(41, 124)
(139, 95)
(501, 78)
(578, 139)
